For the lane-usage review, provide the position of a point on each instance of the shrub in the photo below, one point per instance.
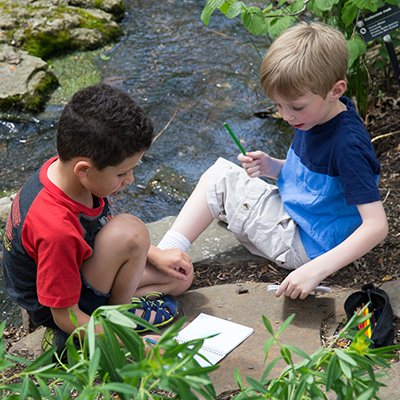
(101, 366)
(276, 17)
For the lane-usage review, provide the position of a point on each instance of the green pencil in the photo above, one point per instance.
(235, 139)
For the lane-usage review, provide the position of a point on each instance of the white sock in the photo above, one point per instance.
(174, 240)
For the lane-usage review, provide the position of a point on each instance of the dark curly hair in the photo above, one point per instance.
(104, 124)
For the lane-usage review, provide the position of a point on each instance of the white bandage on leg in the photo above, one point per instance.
(174, 240)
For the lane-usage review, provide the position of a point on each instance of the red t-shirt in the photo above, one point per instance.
(48, 236)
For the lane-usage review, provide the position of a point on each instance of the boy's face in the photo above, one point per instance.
(111, 180)
(306, 111)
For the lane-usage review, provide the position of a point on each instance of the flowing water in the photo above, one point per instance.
(170, 63)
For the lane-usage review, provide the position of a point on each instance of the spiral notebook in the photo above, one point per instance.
(230, 335)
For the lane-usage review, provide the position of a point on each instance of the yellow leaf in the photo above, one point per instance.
(387, 278)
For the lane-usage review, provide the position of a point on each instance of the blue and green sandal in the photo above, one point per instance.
(166, 307)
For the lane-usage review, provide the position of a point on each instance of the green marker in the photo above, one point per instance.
(235, 139)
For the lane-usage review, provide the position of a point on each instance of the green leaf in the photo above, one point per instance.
(215, 3)
(267, 346)
(268, 325)
(131, 340)
(224, 8)
(235, 9)
(120, 319)
(299, 390)
(206, 14)
(4, 364)
(367, 395)
(34, 391)
(345, 357)
(44, 358)
(25, 388)
(107, 361)
(259, 386)
(91, 335)
(104, 57)
(181, 386)
(118, 387)
(287, 356)
(278, 25)
(285, 324)
(94, 364)
(297, 351)
(72, 315)
(371, 5)
(349, 12)
(356, 48)
(325, 5)
(271, 365)
(238, 378)
(332, 372)
(253, 20)
(345, 368)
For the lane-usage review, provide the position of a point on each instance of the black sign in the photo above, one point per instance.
(377, 24)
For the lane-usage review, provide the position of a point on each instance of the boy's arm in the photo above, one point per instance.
(372, 231)
(172, 262)
(62, 318)
(258, 163)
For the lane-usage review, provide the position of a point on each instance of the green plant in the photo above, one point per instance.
(100, 365)
(347, 372)
(277, 16)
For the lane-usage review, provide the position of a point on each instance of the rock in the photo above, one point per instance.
(25, 81)
(216, 245)
(30, 346)
(34, 29)
(393, 292)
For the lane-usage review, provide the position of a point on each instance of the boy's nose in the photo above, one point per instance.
(129, 178)
(288, 116)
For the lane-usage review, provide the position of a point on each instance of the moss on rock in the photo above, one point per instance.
(42, 28)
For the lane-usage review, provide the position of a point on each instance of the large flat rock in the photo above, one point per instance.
(304, 332)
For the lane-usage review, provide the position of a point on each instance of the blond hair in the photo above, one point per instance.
(304, 58)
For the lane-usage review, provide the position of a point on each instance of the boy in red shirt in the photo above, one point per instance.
(62, 248)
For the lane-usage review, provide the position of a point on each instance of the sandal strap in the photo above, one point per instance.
(166, 309)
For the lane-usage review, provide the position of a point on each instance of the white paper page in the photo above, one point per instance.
(230, 335)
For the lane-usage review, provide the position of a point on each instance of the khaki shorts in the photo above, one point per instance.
(254, 212)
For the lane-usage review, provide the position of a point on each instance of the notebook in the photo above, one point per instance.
(230, 335)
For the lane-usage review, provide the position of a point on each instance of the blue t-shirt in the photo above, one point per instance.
(328, 171)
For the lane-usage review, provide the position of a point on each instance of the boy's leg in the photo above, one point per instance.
(119, 258)
(253, 209)
(192, 220)
(118, 264)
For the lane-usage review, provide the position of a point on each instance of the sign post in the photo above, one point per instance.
(380, 23)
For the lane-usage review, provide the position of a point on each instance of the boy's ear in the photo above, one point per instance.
(338, 89)
(81, 168)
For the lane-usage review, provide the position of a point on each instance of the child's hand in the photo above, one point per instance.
(256, 163)
(175, 263)
(301, 282)
(149, 343)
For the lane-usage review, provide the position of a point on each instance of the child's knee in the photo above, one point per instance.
(182, 286)
(129, 232)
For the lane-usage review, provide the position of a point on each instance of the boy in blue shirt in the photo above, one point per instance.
(325, 211)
